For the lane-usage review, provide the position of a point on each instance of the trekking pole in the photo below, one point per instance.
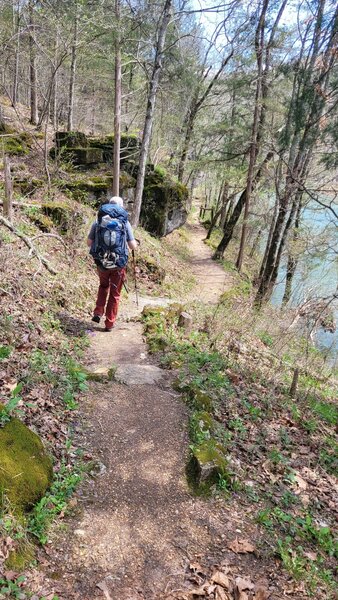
(135, 277)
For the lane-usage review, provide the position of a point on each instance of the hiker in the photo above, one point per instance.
(109, 239)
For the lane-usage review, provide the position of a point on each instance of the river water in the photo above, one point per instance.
(317, 271)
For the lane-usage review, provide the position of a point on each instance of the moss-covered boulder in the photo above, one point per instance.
(86, 157)
(42, 221)
(70, 139)
(17, 143)
(27, 185)
(129, 147)
(94, 190)
(25, 468)
(208, 463)
(64, 217)
(164, 206)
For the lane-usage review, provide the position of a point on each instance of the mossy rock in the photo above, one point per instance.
(95, 189)
(202, 400)
(17, 144)
(164, 206)
(151, 311)
(43, 222)
(157, 342)
(197, 398)
(207, 464)
(85, 156)
(63, 216)
(70, 139)
(202, 421)
(129, 147)
(25, 469)
(101, 373)
(28, 185)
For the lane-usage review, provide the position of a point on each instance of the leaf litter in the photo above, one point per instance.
(219, 583)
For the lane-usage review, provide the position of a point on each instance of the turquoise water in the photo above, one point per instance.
(317, 271)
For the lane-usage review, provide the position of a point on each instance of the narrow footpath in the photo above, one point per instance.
(138, 527)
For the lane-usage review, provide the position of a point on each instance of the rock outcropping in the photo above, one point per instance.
(165, 200)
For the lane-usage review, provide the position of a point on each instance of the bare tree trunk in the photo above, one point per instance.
(128, 95)
(117, 107)
(17, 54)
(231, 224)
(56, 82)
(224, 206)
(196, 103)
(45, 145)
(259, 43)
(221, 210)
(154, 82)
(32, 67)
(294, 384)
(70, 117)
(255, 243)
(8, 199)
(268, 243)
(262, 90)
(292, 260)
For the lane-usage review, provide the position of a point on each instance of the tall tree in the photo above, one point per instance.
(70, 116)
(32, 66)
(148, 124)
(310, 96)
(117, 106)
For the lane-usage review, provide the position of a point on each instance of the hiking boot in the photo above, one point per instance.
(96, 319)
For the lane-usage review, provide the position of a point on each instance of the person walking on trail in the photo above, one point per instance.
(109, 239)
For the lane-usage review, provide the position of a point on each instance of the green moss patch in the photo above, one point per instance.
(39, 219)
(25, 469)
(17, 144)
(162, 198)
(63, 216)
(70, 139)
(207, 466)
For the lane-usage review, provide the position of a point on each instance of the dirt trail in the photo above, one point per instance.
(211, 277)
(138, 524)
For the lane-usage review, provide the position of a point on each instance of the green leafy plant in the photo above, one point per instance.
(5, 352)
(12, 589)
(7, 410)
(53, 503)
(266, 338)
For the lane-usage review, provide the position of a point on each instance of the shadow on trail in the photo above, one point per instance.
(74, 327)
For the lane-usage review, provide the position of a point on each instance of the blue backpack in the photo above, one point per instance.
(109, 248)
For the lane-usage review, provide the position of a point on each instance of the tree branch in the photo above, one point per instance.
(32, 249)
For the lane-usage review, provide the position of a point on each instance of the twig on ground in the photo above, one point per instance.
(33, 251)
(52, 235)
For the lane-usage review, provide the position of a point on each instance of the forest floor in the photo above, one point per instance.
(137, 531)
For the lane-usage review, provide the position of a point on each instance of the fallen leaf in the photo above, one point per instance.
(103, 587)
(305, 499)
(311, 555)
(196, 567)
(243, 584)
(300, 482)
(221, 594)
(198, 592)
(261, 593)
(10, 575)
(240, 595)
(221, 579)
(241, 546)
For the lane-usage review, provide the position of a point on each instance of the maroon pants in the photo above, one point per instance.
(111, 282)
